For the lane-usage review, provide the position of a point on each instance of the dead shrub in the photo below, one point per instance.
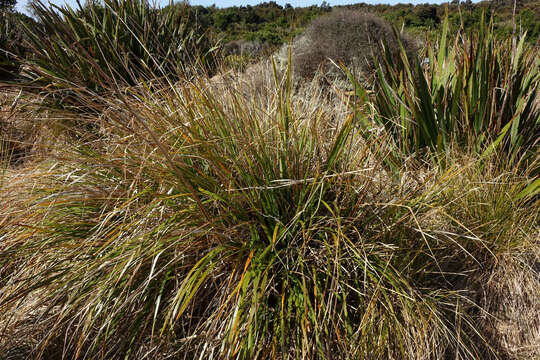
(352, 37)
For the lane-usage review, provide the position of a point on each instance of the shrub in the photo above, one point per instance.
(244, 47)
(351, 37)
(238, 54)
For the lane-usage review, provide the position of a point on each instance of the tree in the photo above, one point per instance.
(224, 18)
(7, 5)
(325, 6)
(428, 14)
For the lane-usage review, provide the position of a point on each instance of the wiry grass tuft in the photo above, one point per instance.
(212, 221)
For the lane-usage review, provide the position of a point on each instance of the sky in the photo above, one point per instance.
(21, 4)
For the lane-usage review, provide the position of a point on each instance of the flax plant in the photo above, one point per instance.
(85, 48)
(475, 91)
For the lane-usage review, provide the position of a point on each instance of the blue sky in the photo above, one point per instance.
(21, 4)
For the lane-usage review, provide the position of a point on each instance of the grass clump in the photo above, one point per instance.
(22, 129)
(223, 218)
(212, 223)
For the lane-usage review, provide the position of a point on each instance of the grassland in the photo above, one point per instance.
(165, 207)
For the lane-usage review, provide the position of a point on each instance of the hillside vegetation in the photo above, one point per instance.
(163, 198)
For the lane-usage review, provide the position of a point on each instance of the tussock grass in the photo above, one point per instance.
(242, 217)
(28, 130)
(208, 220)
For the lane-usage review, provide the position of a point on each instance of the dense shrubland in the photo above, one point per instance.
(269, 25)
(258, 215)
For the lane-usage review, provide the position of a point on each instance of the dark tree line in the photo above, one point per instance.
(7, 5)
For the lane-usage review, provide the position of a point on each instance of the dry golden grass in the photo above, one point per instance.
(107, 192)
